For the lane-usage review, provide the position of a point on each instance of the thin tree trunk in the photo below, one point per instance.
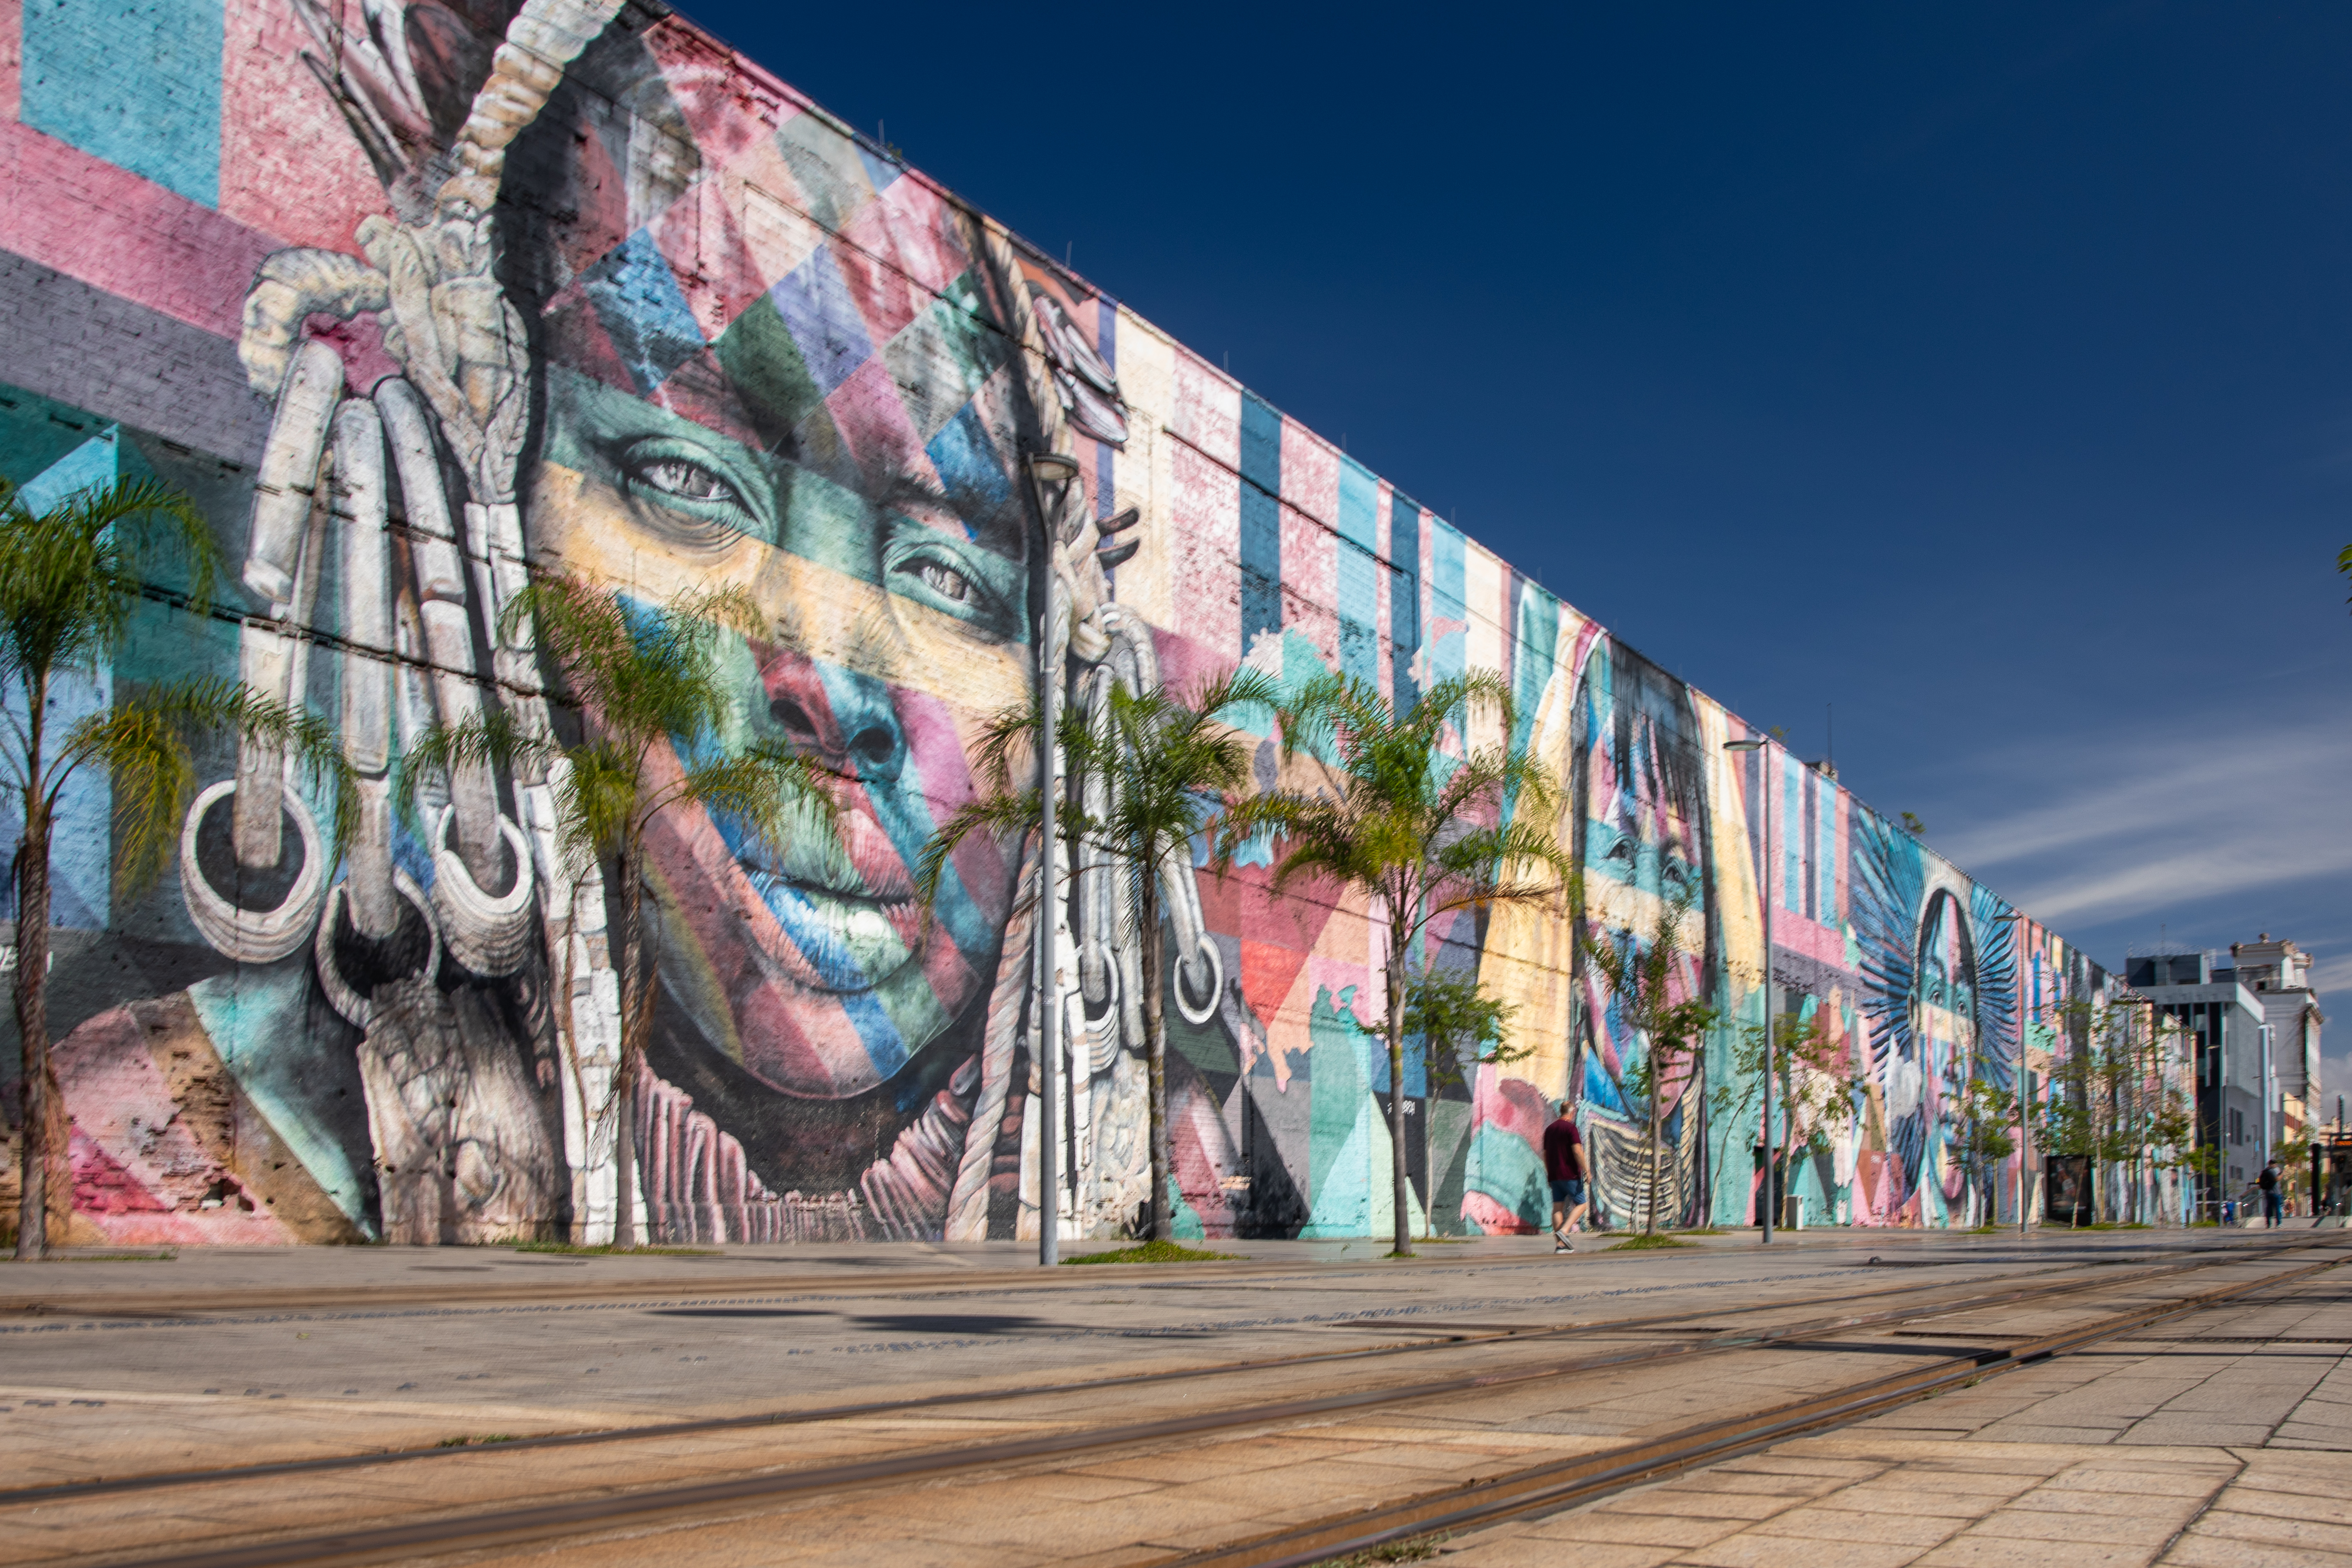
(1429, 1135)
(1786, 1080)
(1400, 1175)
(624, 1082)
(1155, 1031)
(1657, 1092)
(45, 1195)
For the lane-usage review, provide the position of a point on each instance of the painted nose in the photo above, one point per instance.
(845, 720)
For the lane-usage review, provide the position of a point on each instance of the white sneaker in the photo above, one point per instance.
(1561, 1243)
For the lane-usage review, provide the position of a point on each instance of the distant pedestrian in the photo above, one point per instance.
(1564, 1164)
(2273, 1202)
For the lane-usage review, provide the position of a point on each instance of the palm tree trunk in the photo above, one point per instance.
(1400, 1177)
(624, 1082)
(44, 1196)
(1155, 1031)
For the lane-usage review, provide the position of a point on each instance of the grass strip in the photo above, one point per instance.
(1154, 1252)
(607, 1248)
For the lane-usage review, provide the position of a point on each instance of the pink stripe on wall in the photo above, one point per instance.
(290, 167)
(1795, 933)
(1310, 580)
(1208, 411)
(1310, 474)
(115, 231)
(1383, 610)
(11, 58)
(1205, 549)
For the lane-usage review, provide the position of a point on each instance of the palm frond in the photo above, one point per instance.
(1007, 748)
(143, 744)
(1006, 817)
(777, 792)
(598, 800)
(489, 739)
(71, 577)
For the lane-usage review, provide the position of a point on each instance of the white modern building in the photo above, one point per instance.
(2223, 1021)
(2279, 973)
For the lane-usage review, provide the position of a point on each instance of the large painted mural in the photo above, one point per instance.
(419, 298)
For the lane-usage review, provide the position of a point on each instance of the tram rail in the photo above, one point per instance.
(1543, 1488)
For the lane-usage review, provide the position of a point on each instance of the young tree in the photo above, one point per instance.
(1420, 832)
(2092, 1112)
(1802, 1099)
(1986, 1114)
(1145, 772)
(652, 697)
(1640, 981)
(1461, 1028)
(71, 578)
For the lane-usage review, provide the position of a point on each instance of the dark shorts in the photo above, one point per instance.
(1570, 1192)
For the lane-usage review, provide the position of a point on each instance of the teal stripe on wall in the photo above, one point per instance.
(1261, 543)
(136, 82)
(1405, 596)
(1359, 573)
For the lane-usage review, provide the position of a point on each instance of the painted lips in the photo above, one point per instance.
(843, 896)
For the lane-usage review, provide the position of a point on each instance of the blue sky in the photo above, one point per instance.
(1983, 371)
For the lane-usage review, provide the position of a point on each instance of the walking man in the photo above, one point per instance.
(2274, 1203)
(1564, 1164)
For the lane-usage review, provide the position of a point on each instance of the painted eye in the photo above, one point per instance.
(1622, 850)
(686, 480)
(945, 581)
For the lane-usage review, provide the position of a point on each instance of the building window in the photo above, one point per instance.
(2237, 1127)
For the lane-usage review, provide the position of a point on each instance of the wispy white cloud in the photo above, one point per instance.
(2335, 975)
(2128, 824)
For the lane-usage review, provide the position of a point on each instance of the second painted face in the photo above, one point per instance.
(844, 452)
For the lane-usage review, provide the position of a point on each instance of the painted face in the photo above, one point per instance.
(1641, 851)
(1942, 1045)
(842, 452)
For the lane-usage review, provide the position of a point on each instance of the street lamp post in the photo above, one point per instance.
(2268, 1071)
(1051, 474)
(1764, 897)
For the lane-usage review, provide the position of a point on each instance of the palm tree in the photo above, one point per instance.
(70, 581)
(1640, 977)
(649, 682)
(1147, 772)
(1400, 820)
(1463, 1027)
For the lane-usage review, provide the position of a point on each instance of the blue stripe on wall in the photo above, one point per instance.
(136, 82)
(1792, 836)
(1405, 596)
(1827, 838)
(1261, 544)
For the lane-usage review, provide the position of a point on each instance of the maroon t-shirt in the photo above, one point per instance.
(1559, 1144)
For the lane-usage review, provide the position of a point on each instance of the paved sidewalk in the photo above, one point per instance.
(2223, 1441)
(96, 1280)
(218, 1359)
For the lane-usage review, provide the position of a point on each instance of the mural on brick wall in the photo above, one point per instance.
(418, 299)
